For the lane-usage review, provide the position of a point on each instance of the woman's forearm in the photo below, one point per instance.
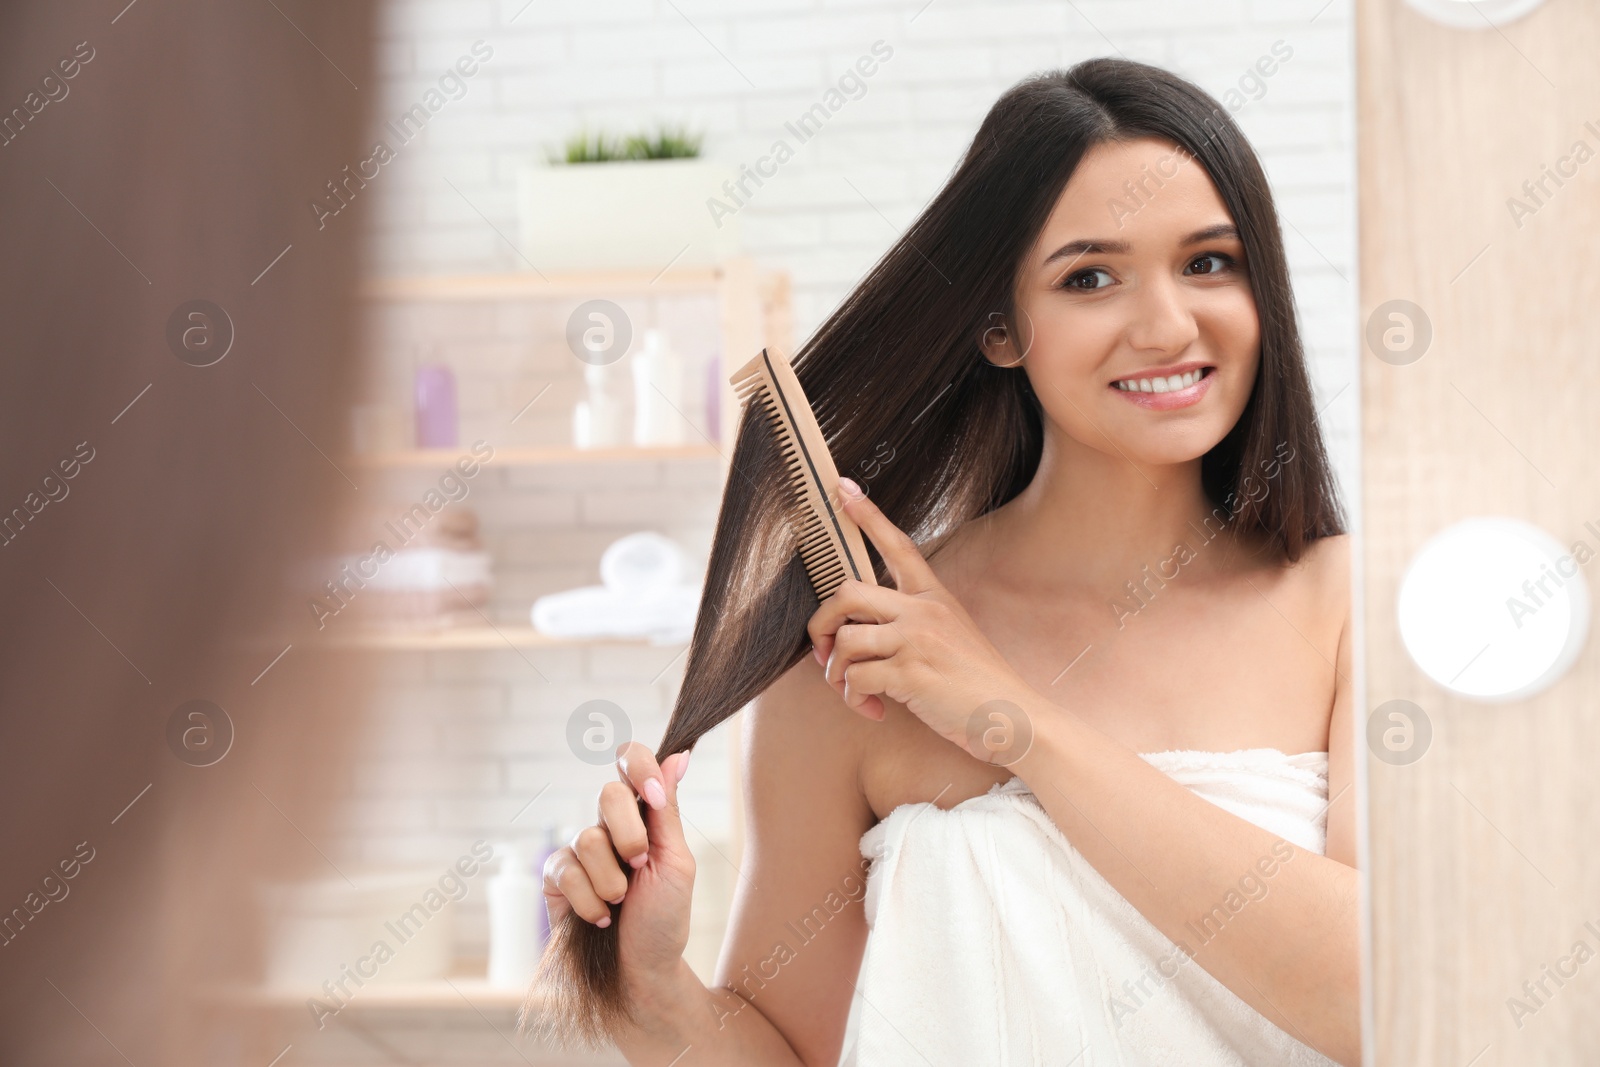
(1293, 954)
(681, 1022)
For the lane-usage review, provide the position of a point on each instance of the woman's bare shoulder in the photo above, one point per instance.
(1312, 593)
(1322, 570)
(1327, 560)
(1333, 552)
(802, 741)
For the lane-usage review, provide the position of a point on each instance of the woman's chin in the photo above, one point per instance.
(1149, 454)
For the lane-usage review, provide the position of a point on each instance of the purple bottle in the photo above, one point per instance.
(714, 398)
(436, 406)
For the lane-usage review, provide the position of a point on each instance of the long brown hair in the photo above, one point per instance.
(897, 366)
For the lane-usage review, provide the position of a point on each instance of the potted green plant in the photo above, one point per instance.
(638, 201)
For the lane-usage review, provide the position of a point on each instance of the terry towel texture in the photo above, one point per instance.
(993, 941)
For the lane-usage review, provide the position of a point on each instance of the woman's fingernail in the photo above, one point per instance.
(604, 922)
(683, 768)
(639, 861)
(655, 794)
(850, 489)
(816, 654)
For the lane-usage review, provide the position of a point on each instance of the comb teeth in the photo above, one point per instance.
(829, 543)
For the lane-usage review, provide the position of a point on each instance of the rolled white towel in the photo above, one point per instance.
(643, 561)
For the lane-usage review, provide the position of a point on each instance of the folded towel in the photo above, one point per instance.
(664, 616)
(993, 941)
(643, 595)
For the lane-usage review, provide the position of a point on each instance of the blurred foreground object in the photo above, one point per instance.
(173, 422)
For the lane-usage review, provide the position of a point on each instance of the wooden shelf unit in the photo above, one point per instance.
(456, 993)
(537, 285)
(538, 457)
(753, 303)
(754, 306)
(473, 638)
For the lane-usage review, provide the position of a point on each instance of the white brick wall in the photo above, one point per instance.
(464, 739)
(623, 65)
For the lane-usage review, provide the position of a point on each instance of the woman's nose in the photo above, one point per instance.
(1161, 318)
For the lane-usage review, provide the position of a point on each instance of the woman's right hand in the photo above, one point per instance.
(653, 923)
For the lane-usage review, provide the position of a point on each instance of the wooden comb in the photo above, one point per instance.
(830, 543)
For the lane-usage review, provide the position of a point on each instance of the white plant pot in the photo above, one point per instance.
(632, 214)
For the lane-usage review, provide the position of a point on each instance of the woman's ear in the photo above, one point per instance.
(999, 343)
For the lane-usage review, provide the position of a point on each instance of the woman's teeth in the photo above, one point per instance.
(1161, 385)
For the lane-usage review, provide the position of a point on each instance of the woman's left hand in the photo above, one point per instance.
(914, 644)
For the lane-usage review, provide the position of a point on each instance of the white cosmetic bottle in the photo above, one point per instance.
(597, 420)
(516, 901)
(658, 394)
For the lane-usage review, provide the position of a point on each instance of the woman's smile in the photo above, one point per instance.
(1180, 387)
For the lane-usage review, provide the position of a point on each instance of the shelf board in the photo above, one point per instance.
(534, 457)
(458, 993)
(526, 284)
(469, 638)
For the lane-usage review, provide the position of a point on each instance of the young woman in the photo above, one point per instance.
(1090, 739)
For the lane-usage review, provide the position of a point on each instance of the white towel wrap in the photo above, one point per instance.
(993, 941)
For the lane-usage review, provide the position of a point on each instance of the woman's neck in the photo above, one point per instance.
(1089, 521)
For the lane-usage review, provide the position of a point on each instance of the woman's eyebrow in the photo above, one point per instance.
(1106, 246)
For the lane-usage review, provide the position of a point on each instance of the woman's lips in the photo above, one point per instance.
(1179, 398)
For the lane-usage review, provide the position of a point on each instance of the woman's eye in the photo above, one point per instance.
(1074, 281)
(1226, 259)
(1083, 280)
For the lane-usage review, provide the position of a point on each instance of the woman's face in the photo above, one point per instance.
(1137, 276)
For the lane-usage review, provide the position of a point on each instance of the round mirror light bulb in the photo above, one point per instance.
(1494, 609)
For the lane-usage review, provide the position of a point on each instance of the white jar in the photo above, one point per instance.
(516, 905)
(597, 421)
(658, 394)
